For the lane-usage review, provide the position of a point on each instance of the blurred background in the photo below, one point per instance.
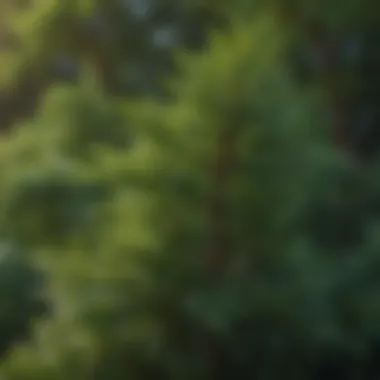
(189, 189)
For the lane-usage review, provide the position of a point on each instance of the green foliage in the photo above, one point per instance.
(20, 296)
(112, 199)
(143, 262)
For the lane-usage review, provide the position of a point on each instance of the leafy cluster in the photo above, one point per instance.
(216, 233)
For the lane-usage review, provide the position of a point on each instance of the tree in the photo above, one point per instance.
(215, 234)
(128, 43)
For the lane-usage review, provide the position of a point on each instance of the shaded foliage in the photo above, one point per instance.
(218, 232)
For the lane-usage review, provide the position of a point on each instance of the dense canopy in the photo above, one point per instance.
(189, 189)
